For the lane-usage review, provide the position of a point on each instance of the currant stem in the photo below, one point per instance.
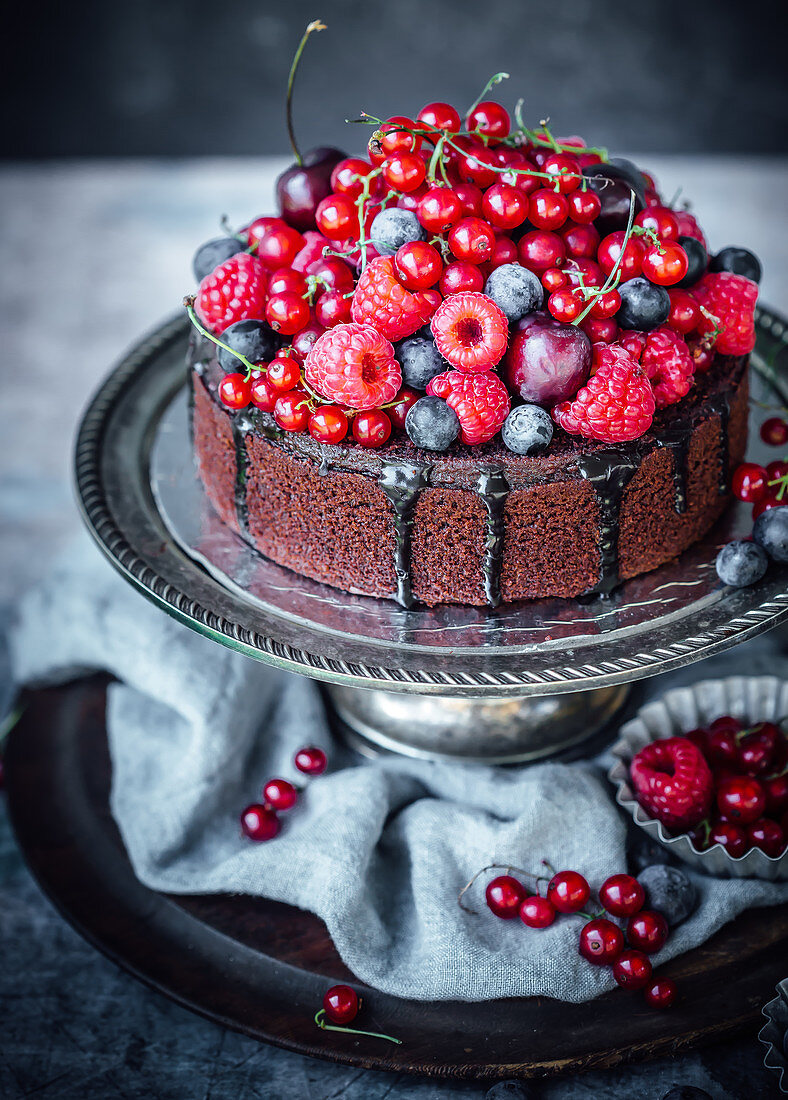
(487, 87)
(316, 25)
(492, 867)
(612, 281)
(320, 1020)
(188, 302)
(9, 722)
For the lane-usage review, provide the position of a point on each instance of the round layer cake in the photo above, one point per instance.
(472, 525)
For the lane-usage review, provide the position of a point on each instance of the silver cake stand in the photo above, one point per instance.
(510, 684)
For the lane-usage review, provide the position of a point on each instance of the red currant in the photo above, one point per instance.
(599, 332)
(347, 177)
(540, 250)
(504, 896)
(601, 941)
(439, 209)
(684, 311)
(632, 970)
(440, 116)
(278, 247)
(331, 273)
(504, 206)
(259, 227)
(581, 241)
(264, 395)
(287, 313)
(475, 163)
(665, 264)
(472, 240)
(235, 391)
(404, 171)
(566, 304)
(337, 217)
(489, 118)
(584, 206)
(622, 895)
(404, 401)
(284, 373)
(419, 265)
(504, 252)
(285, 280)
(749, 482)
(587, 272)
(765, 504)
(333, 309)
(774, 431)
(606, 305)
(328, 424)
(412, 199)
(537, 912)
(547, 210)
(303, 341)
(566, 170)
(741, 799)
(768, 836)
(520, 173)
(647, 931)
(459, 277)
(725, 722)
(259, 822)
(291, 411)
(470, 198)
(396, 140)
(372, 428)
(660, 220)
(310, 760)
(610, 249)
(553, 279)
(568, 891)
(661, 993)
(341, 1004)
(280, 794)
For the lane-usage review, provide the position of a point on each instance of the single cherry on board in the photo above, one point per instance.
(341, 1004)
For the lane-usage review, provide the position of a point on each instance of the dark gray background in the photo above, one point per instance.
(194, 77)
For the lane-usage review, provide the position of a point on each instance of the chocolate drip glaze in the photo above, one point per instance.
(609, 472)
(720, 403)
(241, 425)
(493, 488)
(402, 484)
(678, 444)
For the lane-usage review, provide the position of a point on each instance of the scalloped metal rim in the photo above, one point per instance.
(113, 539)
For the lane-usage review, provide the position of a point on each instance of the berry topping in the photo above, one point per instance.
(470, 332)
(481, 402)
(255, 340)
(547, 361)
(420, 361)
(432, 424)
(672, 782)
(215, 252)
(688, 226)
(515, 290)
(740, 261)
(380, 300)
(697, 261)
(233, 291)
(730, 299)
(354, 365)
(668, 365)
(616, 404)
(644, 306)
(527, 430)
(771, 533)
(394, 227)
(740, 563)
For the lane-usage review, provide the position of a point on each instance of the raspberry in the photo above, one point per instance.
(688, 226)
(382, 301)
(668, 365)
(615, 405)
(354, 365)
(673, 782)
(470, 331)
(481, 402)
(634, 342)
(234, 291)
(730, 299)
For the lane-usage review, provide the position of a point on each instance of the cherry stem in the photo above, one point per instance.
(188, 302)
(783, 483)
(496, 79)
(320, 1020)
(612, 280)
(493, 867)
(316, 25)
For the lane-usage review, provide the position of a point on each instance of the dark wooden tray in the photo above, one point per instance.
(261, 967)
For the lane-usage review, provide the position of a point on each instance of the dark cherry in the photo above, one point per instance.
(568, 891)
(647, 931)
(775, 789)
(768, 836)
(721, 747)
(741, 799)
(259, 822)
(311, 760)
(731, 836)
(601, 941)
(622, 895)
(341, 1004)
(614, 189)
(547, 361)
(632, 970)
(504, 896)
(301, 187)
(661, 993)
(280, 794)
(756, 752)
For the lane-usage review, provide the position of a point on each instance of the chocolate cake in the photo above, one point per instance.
(476, 524)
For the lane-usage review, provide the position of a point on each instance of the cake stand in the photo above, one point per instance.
(494, 685)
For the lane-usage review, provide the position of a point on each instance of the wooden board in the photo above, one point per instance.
(261, 967)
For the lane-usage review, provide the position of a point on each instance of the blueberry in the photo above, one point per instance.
(255, 340)
(741, 563)
(215, 252)
(698, 260)
(643, 305)
(420, 361)
(394, 227)
(527, 430)
(515, 290)
(738, 260)
(432, 424)
(510, 1090)
(669, 891)
(687, 1092)
(771, 532)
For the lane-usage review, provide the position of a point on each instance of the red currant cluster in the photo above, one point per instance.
(725, 784)
(764, 487)
(260, 820)
(602, 941)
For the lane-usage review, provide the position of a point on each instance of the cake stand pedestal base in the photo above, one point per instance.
(505, 729)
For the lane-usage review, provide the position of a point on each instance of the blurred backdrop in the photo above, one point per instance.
(207, 77)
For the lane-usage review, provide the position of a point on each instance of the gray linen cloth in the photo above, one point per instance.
(379, 850)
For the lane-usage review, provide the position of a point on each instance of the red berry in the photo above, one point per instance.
(721, 747)
(259, 822)
(774, 431)
(233, 291)
(580, 241)
(667, 363)
(725, 722)
(584, 206)
(604, 332)
(537, 912)
(731, 300)
(566, 170)
(279, 246)
(347, 177)
(672, 782)
(285, 279)
(765, 504)
(660, 220)
(566, 304)
(588, 272)
(284, 373)
(568, 891)
(700, 739)
(419, 265)
(333, 308)
(504, 206)
(291, 411)
(303, 341)
(470, 197)
(235, 391)
(337, 217)
(504, 895)
(601, 941)
(688, 226)
(775, 790)
(396, 140)
(622, 895)
(661, 993)
(310, 760)
(354, 365)
(372, 428)
(340, 1004)
(756, 753)
(470, 331)
(647, 931)
(632, 970)
(489, 118)
(280, 794)
(382, 302)
(287, 313)
(547, 210)
(472, 240)
(605, 305)
(504, 252)
(519, 173)
(460, 276)
(741, 799)
(665, 264)
(553, 279)
(540, 250)
(259, 227)
(440, 116)
(439, 209)
(732, 837)
(404, 401)
(475, 163)
(610, 249)
(331, 273)
(481, 402)
(684, 311)
(328, 424)
(264, 395)
(768, 836)
(615, 405)
(404, 171)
